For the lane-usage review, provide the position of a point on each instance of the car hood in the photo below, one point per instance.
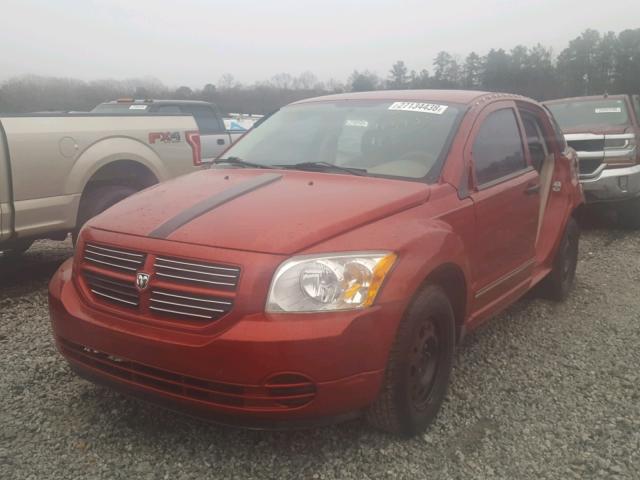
(271, 211)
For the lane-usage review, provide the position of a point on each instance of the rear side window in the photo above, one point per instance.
(497, 149)
(538, 149)
(165, 109)
(206, 118)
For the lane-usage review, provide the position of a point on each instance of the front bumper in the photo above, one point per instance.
(236, 375)
(612, 184)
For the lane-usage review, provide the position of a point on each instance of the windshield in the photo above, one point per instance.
(397, 139)
(590, 113)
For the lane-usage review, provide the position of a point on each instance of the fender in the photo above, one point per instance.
(101, 153)
(426, 244)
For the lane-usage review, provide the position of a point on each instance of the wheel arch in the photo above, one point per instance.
(109, 151)
(451, 278)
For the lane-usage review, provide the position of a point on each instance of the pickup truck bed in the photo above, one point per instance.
(56, 171)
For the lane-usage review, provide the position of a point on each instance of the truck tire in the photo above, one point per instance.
(558, 284)
(419, 366)
(15, 250)
(629, 214)
(97, 200)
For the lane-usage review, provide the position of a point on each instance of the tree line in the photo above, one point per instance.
(593, 63)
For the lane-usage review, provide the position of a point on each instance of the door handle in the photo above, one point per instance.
(532, 189)
(220, 141)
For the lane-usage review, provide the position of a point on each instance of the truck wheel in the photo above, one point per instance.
(419, 366)
(16, 249)
(97, 200)
(557, 285)
(629, 213)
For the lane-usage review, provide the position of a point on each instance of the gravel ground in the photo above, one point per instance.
(543, 391)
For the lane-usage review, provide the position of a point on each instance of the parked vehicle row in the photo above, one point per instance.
(59, 170)
(329, 263)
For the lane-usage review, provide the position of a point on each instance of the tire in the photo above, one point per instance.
(629, 214)
(419, 366)
(16, 249)
(558, 284)
(96, 201)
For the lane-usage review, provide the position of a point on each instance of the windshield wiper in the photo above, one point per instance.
(237, 161)
(323, 167)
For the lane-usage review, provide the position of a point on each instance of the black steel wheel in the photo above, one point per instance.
(419, 366)
(558, 284)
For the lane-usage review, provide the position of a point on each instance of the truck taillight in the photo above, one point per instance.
(193, 139)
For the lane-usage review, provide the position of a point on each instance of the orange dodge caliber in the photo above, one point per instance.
(328, 263)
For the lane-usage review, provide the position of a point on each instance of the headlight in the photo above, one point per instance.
(313, 283)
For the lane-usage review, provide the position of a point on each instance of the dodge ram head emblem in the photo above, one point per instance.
(142, 281)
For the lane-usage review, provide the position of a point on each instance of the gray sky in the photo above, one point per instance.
(192, 42)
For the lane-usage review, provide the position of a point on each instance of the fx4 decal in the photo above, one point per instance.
(164, 137)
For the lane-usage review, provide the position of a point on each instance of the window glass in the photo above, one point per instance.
(205, 117)
(538, 149)
(164, 109)
(399, 139)
(497, 149)
(590, 113)
(124, 108)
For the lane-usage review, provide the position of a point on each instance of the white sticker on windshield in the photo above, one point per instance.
(138, 107)
(609, 110)
(419, 107)
(356, 123)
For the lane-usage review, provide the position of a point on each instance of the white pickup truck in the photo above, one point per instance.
(57, 171)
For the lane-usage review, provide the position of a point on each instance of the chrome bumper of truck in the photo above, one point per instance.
(612, 184)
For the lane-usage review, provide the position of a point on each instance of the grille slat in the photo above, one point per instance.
(195, 280)
(111, 297)
(113, 290)
(205, 274)
(116, 258)
(178, 312)
(189, 307)
(202, 265)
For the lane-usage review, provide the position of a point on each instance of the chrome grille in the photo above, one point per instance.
(203, 274)
(187, 306)
(118, 259)
(590, 145)
(113, 290)
(588, 166)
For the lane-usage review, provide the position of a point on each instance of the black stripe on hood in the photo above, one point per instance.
(208, 204)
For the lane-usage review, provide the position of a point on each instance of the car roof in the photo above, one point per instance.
(589, 97)
(155, 102)
(464, 97)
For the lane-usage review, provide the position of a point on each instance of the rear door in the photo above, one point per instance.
(506, 200)
(213, 135)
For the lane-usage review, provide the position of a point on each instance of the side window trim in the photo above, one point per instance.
(505, 178)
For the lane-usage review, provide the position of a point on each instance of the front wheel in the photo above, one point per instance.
(15, 249)
(558, 284)
(629, 214)
(419, 366)
(97, 200)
